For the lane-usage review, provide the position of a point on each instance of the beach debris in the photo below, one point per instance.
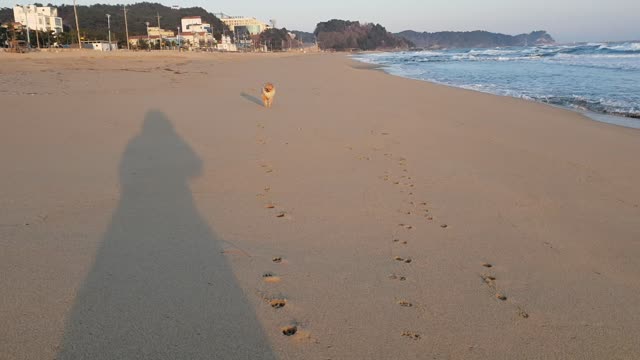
(289, 330)
(501, 297)
(269, 206)
(487, 265)
(277, 259)
(405, 303)
(281, 215)
(444, 226)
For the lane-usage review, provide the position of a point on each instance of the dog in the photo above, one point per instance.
(268, 93)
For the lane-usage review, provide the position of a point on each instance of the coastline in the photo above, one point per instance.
(609, 118)
(380, 216)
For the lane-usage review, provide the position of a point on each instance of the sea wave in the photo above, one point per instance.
(598, 77)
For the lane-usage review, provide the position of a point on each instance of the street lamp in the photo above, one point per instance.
(109, 26)
(179, 45)
(148, 38)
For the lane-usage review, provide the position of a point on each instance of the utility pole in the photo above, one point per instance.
(75, 12)
(109, 27)
(148, 38)
(159, 29)
(126, 26)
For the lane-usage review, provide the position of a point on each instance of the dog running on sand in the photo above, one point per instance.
(268, 93)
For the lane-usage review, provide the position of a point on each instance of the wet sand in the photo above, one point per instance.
(150, 207)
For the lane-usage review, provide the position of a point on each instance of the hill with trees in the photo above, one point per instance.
(474, 39)
(278, 39)
(343, 35)
(303, 36)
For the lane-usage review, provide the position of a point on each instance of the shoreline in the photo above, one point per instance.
(364, 216)
(607, 118)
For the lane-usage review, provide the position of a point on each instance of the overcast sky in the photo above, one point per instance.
(566, 20)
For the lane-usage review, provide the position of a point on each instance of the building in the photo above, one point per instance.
(194, 24)
(195, 33)
(156, 31)
(100, 45)
(253, 26)
(42, 18)
(226, 44)
(197, 39)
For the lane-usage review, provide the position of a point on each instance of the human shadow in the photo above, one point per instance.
(160, 287)
(252, 98)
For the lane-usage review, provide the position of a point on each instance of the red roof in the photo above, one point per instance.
(192, 17)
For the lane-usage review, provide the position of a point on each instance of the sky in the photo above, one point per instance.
(565, 20)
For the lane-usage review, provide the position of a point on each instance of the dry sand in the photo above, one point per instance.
(150, 208)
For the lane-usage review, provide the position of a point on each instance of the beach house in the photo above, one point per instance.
(41, 18)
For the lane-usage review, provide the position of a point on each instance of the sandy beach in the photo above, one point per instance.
(151, 208)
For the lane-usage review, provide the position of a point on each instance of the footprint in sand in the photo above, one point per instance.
(411, 335)
(289, 330)
(522, 313)
(401, 259)
(271, 278)
(278, 303)
(281, 215)
(408, 227)
(491, 282)
(397, 277)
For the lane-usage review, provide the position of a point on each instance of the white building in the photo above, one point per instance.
(100, 45)
(43, 18)
(194, 24)
(225, 44)
(253, 25)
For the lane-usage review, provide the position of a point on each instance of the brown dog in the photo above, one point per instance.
(268, 93)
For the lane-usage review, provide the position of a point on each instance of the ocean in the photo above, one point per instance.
(602, 80)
